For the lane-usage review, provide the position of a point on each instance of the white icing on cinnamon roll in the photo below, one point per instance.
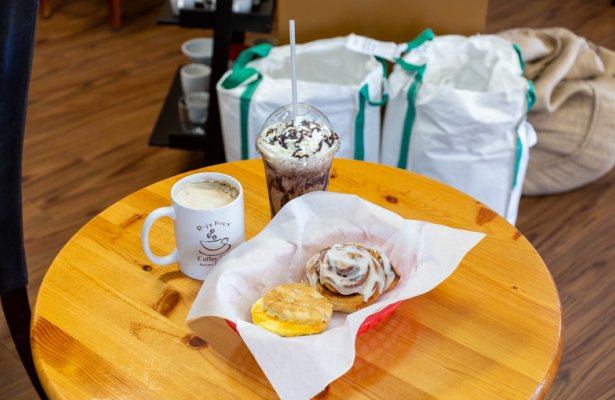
(350, 269)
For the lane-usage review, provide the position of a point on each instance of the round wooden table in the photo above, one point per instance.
(107, 324)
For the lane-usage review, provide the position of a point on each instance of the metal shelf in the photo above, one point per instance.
(260, 19)
(167, 131)
(228, 28)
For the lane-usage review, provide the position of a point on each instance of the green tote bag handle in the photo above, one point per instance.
(419, 71)
(359, 123)
(240, 74)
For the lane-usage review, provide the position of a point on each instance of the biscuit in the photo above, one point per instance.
(292, 309)
(351, 276)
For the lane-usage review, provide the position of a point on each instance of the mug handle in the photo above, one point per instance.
(147, 226)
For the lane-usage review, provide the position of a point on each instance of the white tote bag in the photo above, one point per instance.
(457, 113)
(345, 85)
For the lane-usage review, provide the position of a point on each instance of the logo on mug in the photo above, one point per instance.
(215, 245)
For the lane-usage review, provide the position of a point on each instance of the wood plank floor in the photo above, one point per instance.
(94, 98)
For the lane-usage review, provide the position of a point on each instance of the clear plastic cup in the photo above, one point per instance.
(192, 110)
(294, 168)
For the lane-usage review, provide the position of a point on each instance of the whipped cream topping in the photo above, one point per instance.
(351, 269)
(297, 142)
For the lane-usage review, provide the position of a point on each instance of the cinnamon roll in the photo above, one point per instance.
(351, 276)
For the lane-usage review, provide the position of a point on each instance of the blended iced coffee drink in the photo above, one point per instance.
(297, 154)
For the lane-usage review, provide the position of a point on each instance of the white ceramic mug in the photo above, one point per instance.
(202, 236)
(195, 78)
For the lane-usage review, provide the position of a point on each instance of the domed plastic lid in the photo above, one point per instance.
(305, 112)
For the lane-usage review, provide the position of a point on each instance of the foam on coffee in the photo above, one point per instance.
(206, 195)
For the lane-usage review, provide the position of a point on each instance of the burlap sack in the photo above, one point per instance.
(574, 113)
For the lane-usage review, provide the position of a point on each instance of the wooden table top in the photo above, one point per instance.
(107, 324)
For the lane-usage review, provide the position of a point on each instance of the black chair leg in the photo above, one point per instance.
(16, 310)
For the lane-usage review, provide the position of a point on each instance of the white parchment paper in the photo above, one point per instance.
(300, 367)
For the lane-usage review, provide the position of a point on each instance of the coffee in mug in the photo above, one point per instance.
(209, 222)
(206, 195)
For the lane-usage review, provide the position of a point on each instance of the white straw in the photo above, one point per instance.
(291, 27)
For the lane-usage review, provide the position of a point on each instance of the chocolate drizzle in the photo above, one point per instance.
(297, 155)
(301, 141)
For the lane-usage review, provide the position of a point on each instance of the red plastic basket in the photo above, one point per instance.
(368, 324)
